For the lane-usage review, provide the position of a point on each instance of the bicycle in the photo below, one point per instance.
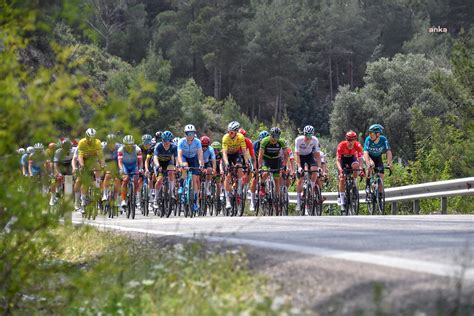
(131, 197)
(217, 203)
(351, 204)
(145, 196)
(237, 198)
(284, 197)
(109, 205)
(188, 191)
(166, 200)
(375, 192)
(269, 201)
(93, 195)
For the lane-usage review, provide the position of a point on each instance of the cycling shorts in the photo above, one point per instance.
(193, 163)
(307, 160)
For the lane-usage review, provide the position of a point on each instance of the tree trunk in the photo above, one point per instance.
(337, 75)
(330, 74)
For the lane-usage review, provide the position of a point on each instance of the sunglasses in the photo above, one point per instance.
(308, 135)
(189, 133)
(205, 147)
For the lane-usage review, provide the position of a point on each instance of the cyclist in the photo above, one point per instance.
(190, 155)
(147, 151)
(374, 146)
(251, 154)
(269, 156)
(37, 161)
(24, 161)
(218, 173)
(164, 160)
(130, 163)
(253, 185)
(62, 166)
(307, 150)
(50, 151)
(209, 157)
(348, 155)
(233, 148)
(90, 157)
(290, 170)
(110, 149)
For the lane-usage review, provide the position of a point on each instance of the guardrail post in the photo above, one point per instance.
(444, 205)
(394, 208)
(416, 206)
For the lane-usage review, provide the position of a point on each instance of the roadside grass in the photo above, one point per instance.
(97, 272)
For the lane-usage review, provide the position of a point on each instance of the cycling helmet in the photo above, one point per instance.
(38, 147)
(90, 133)
(153, 141)
(242, 131)
(167, 136)
(52, 146)
(216, 145)
(233, 126)
(30, 150)
(205, 141)
(351, 135)
(275, 132)
(189, 128)
(158, 136)
(21, 151)
(146, 139)
(128, 140)
(66, 144)
(308, 129)
(263, 134)
(111, 137)
(176, 140)
(377, 128)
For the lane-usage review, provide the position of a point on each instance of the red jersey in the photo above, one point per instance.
(344, 151)
(249, 145)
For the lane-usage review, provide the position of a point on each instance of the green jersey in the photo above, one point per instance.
(270, 150)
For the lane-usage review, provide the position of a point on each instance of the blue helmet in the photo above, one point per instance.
(263, 134)
(146, 139)
(167, 136)
(377, 128)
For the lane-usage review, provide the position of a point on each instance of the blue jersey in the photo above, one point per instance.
(111, 155)
(165, 155)
(189, 150)
(209, 154)
(376, 149)
(129, 158)
(24, 160)
(256, 147)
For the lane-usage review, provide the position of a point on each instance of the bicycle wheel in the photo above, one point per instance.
(145, 199)
(243, 198)
(318, 205)
(355, 201)
(133, 200)
(284, 200)
(380, 197)
(370, 198)
(203, 200)
(257, 203)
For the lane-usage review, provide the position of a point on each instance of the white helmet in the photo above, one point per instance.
(308, 129)
(90, 133)
(233, 126)
(189, 128)
(38, 147)
(30, 149)
(21, 151)
(128, 140)
(176, 140)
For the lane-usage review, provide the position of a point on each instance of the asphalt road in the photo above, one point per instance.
(337, 265)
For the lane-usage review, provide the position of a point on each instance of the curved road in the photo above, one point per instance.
(419, 250)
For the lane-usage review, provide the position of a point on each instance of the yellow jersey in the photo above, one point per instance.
(234, 146)
(88, 150)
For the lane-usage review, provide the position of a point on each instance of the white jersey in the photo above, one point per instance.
(323, 157)
(303, 148)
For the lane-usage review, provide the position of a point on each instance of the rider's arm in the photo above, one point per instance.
(140, 159)
(297, 154)
(30, 164)
(317, 156)
(200, 157)
(180, 157)
(260, 156)
(389, 158)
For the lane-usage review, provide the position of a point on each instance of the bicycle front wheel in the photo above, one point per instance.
(380, 197)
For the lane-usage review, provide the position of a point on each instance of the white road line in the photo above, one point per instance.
(354, 256)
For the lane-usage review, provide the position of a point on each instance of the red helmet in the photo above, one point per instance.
(242, 131)
(205, 141)
(351, 135)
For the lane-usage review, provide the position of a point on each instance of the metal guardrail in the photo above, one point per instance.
(415, 193)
